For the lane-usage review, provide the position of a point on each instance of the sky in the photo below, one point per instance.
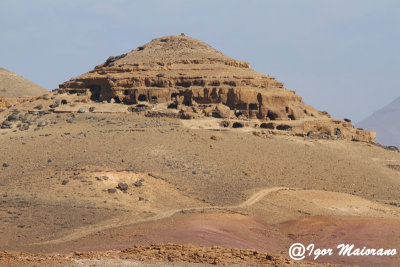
(341, 56)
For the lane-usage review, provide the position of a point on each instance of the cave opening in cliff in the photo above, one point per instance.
(265, 125)
(142, 97)
(185, 84)
(199, 83)
(95, 92)
(215, 83)
(154, 99)
(253, 106)
(173, 105)
(188, 98)
(214, 95)
(156, 84)
(237, 125)
(292, 117)
(231, 101)
(202, 100)
(284, 127)
(272, 115)
(129, 101)
(117, 100)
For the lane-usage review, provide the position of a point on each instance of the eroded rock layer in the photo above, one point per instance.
(183, 71)
(3, 103)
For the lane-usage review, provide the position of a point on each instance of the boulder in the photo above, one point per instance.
(222, 111)
(122, 186)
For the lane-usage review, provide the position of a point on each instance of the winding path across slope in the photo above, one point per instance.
(122, 221)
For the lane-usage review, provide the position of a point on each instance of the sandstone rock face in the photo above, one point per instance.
(222, 111)
(187, 71)
(8, 102)
(182, 71)
(3, 103)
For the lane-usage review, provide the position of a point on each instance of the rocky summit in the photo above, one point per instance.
(188, 75)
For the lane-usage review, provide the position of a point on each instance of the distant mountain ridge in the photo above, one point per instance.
(386, 123)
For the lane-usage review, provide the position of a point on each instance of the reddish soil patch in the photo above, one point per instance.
(330, 232)
(225, 230)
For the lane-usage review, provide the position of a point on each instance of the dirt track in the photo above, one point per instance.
(231, 183)
(119, 222)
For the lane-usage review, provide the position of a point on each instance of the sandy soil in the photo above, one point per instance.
(60, 191)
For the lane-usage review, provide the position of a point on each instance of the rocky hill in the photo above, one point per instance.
(13, 85)
(109, 170)
(191, 76)
(386, 123)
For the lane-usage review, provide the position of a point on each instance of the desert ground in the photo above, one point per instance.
(114, 187)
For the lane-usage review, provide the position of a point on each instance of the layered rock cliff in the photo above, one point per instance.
(182, 71)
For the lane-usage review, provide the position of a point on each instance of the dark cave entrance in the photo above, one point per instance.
(267, 125)
(95, 91)
(272, 115)
(253, 106)
(142, 97)
(237, 125)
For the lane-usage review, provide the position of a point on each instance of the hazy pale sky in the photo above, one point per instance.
(341, 56)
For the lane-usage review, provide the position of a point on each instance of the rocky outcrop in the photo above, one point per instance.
(7, 102)
(182, 71)
(3, 103)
